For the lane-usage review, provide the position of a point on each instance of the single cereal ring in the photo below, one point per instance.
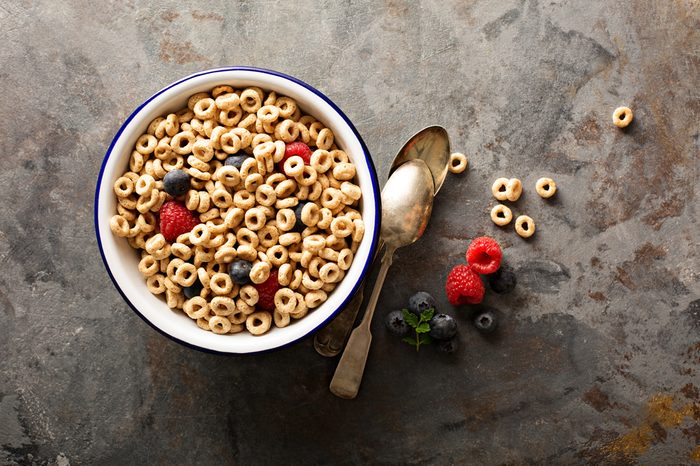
(249, 295)
(307, 177)
(285, 300)
(458, 162)
(514, 189)
(499, 188)
(148, 266)
(244, 199)
(622, 116)
(265, 195)
(285, 188)
(287, 239)
(268, 236)
(285, 219)
(314, 243)
(120, 226)
(196, 307)
(546, 187)
(315, 298)
(524, 226)
(124, 186)
(331, 198)
(255, 219)
(221, 283)
(342, 227)
(260, 272)
(310, 214)
(501, 215)
(344, 171)
(185, 275)
(218, 324)
(228, 175)
(258, 323)
(253, 182)
(321, 161)
(222, 306)
(281, 319)
(329, 273)
(345, 257)
(200, 234)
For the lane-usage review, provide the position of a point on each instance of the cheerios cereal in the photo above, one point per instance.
(622, 116)
(257, 220)
(458, 162)
(546, 187)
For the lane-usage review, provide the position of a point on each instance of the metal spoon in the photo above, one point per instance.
(432, 145)
(407, 202)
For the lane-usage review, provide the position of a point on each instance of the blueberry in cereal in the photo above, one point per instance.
(176, 183)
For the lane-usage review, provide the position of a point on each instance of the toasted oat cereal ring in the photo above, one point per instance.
(255, 219)
(198, 174)
(244, 236)
(458, 162)
(622, 116)
(249, 294)
(315, 298)
(194, 162)
(358, 230)
(321, 161)
(146, 222)
(241, 313)
(234, 217)
(514, 189)
(325, 139)
(171, 285)
(286, 203)
(326, 218)
(335, 243)
(285, 274)
(302, 309)
(315, 191)
(314, 266)
(310, 282)
(147, 201)
(221, 198)
(185, 275)
(155, 243)
(203, 324)
(331, 198)
(222, 306)
(287, 106)
(287, 239)
(172, 299)
(124, 186)
(281, 319)
(268, 236)
(268, 113)
(294, 166)
(250, 100)
(260, 272)
(182, 142)
(310, 214)
(285, 300)
(546, 187)
(524, 226)
(345, 257)
(218, 324)
(258, 323)
(244, 199)
(203, 149)
(342, 227)
(351, 190)
(181, 251)
(247, 252)
(196, 307)
(210, 214)
(285, 188)
(265, 195)
(499, 188)
(225, 254)
(501, 215)
(287, 131)
(230, 142)
(148, 265)
(285, 219)
(221, 283)
(200, 234)
(119, 226)
(236, 328)
(329, 273)
(344, 171)
(145, 184)
(248, 122)
(314, 243)
(296, 280)
(146, 144)
(227, 101)
(329, 254)
(136, 161)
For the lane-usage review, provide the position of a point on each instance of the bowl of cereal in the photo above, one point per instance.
(237, 210)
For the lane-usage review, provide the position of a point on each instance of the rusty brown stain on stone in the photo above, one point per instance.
(623, 277)
(170, 16)
(695, 454)
(690, 391)
(692, 432)
(669, 208)
(648, 253)
(179, 52)
(597, 296)
(597, 399)
(206, 15)
(588, 131)
(661, 415)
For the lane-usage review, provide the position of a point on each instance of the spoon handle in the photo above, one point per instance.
(348, 375)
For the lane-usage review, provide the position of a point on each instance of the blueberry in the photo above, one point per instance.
(420, 302)
(176, 183)
(486, 321)
(239, 270)
(193, 290)
(448, 346)
(299, 225)
(503, 280)
(236, 160)
(396, 324)
(442, 327)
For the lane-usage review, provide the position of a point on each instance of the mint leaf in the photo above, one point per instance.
(410, 318)
(426, 315)
(423, 328)
(410, 340)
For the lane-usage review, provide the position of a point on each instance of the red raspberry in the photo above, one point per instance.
(484, 255)
(266, 292)
(176, 219)
(464, 286)
(295, 148)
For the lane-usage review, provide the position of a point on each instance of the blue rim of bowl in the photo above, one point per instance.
(370, 166)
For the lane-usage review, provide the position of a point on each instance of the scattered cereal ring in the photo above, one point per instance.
(499, 188)
(546, 187)
(258, 323)
(458, 162)
(525, 226)
(501, 215)
(514, 189)
(622, 116)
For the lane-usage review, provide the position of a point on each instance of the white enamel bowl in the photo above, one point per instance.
(121, 260)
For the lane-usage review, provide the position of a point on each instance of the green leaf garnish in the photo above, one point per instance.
(420, 325)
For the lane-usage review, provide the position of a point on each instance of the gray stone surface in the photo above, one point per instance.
(598, 356)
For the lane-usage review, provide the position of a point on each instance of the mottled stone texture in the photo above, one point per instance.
(598, 356)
